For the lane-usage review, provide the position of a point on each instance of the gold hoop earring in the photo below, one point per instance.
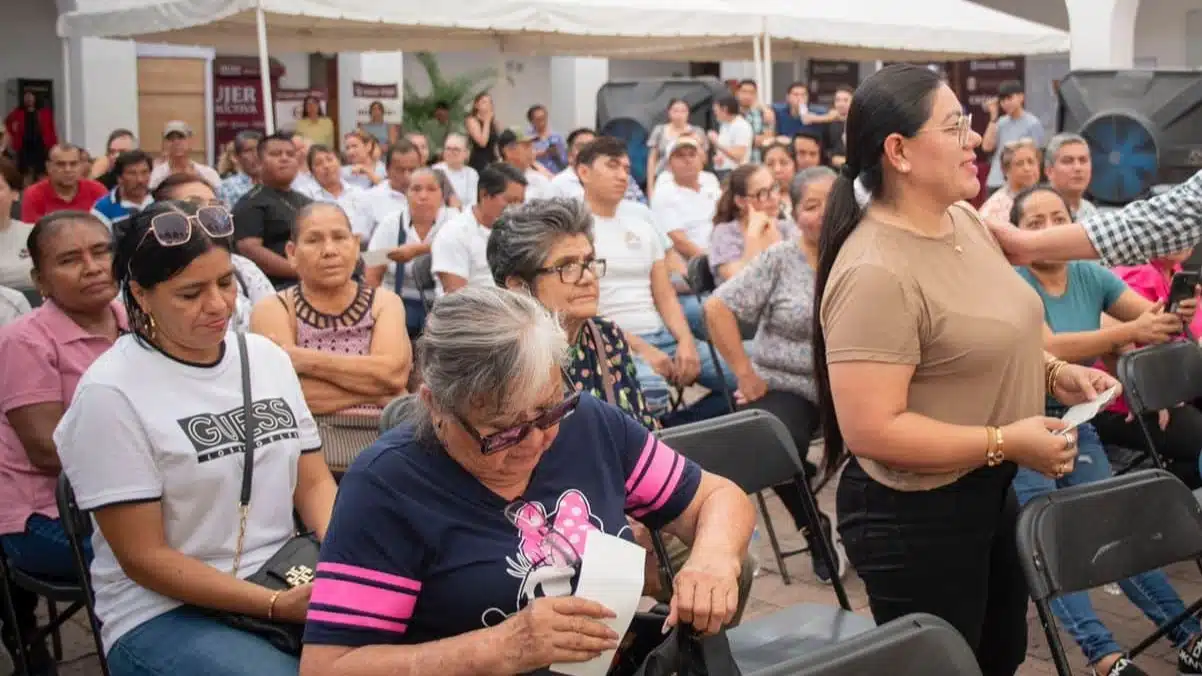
(149, 328)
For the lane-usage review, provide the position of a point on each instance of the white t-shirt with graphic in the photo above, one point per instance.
(145, 427)
(460, 248)
(630, 245)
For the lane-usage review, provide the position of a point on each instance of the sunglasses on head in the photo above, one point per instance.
(174, 228)
(512, 436)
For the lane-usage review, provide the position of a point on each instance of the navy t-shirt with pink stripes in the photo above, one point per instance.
(419, 550)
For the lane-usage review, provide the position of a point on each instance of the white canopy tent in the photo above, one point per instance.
(706, 30)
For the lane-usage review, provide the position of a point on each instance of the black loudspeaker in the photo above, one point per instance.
(630, 109)
(1144, 128)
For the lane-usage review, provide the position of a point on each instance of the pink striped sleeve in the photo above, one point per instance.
(656, 475)
(355, 597)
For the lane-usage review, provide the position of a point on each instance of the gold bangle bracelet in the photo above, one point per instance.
(271, 604)
(994, 454)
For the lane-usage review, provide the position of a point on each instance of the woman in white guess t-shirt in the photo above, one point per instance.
(153, 444)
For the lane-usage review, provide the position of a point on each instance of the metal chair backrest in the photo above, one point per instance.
(1082, 537)
(752, 448)
(1161, 376)
(914, 645)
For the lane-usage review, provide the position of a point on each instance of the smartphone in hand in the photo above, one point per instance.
(1183, 287)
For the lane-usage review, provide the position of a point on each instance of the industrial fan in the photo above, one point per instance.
(1144, 128)
(1124, 154)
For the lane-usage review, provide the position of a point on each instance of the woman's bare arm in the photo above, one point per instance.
(314, 493)
(135, 533)
(476, 653)
(871, 399)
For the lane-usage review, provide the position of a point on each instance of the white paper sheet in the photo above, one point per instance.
(375, 257)
(1083, 413)
(611, 574)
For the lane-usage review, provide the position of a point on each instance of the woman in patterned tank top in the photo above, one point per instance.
(347, 341)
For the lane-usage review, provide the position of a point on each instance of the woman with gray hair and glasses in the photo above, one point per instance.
(546, 249)
(457, 540)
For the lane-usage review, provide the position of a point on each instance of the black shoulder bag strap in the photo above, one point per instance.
(248, 452)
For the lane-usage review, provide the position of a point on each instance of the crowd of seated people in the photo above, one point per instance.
(591, 279)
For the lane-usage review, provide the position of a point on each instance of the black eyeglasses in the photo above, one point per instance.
(174, 228)
(573, 272)
(512, 436)
(556, 549)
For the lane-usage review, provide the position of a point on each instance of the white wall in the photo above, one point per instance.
(30, 48)
(371, 67)
(296, 70)
(633, 70)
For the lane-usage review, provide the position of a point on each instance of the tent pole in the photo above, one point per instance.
(265, 72)
(70, 134)
(767, 95)
(758, 58)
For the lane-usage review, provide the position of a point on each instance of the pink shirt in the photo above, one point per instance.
(43, 354)
(1149, 281)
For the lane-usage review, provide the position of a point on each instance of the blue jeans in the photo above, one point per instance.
(43, 548)
(415, 316)
(188, 642)
(657, 390)
(1150, 591)
(691, 304)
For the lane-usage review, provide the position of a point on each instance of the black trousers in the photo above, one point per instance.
(1178, 444)
(949, 552)
(800, 416)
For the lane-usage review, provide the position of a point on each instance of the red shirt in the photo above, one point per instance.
(40, 199)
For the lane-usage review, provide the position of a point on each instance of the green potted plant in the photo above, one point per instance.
(457, 92)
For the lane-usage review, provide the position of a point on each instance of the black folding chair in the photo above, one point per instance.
(754, 449)
(76, 593)
(33, 296)
(914, 645)
(1157, 378)
(78, 528)
(1083, 537)
(423, 278)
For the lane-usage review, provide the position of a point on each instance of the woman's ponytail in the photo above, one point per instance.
(843, 214)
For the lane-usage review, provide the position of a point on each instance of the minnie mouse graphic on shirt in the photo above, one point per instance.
(549, 549)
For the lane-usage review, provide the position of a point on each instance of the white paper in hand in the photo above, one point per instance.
(1083, 413)
(611, 574)
(375, 257)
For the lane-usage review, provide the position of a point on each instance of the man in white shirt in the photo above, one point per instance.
(463, 178)
(732, 142)
(517, 149)
(684, 206)
(387, 199)
(459, 251)
(566, 182)
(177, 146)
(637, 292)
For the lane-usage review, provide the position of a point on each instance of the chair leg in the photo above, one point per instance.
(825, 545)
(1059, 658)
(776, 552)
(21, 655)
(730, 396)
(56, 636)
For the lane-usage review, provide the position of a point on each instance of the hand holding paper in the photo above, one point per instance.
(611, 574)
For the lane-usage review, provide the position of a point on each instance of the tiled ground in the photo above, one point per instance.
(770, 593)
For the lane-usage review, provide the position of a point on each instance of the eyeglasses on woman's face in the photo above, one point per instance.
(509, 437)
(766, 194)
(962, 128)
(572, 272)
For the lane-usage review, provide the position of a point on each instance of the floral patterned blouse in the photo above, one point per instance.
(585, 374)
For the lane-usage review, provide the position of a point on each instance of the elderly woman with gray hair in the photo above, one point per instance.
(545, 248)
(775, 291)
(457, 539)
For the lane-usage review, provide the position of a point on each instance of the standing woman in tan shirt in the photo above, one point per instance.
(930, 366)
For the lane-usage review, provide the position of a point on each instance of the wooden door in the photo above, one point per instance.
(171, 89)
